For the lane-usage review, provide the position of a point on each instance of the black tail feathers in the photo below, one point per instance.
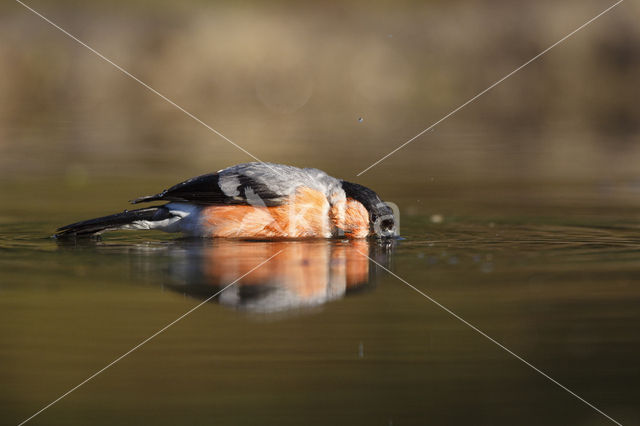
(99, 225)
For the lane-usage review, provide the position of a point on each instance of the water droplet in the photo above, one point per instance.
(360, 119)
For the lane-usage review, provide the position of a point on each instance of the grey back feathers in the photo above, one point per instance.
(277, 180)
(264, 184)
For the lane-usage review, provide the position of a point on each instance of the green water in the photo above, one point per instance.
(320, 335)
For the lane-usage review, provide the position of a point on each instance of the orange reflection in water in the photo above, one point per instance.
(304, 274)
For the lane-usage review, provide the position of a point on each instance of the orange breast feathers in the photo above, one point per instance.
(307, 214)
(304, 216)
(351, 217)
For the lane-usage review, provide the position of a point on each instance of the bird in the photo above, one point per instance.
(254, 200)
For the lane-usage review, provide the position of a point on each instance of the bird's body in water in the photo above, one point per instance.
(255, 200)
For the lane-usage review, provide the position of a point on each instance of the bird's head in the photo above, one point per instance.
(382, 222)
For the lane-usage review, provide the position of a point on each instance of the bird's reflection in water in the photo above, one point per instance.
(305, 274)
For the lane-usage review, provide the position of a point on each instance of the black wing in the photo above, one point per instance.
(206, 190)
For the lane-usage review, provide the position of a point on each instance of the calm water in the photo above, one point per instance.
(320, 335)
(519, 213)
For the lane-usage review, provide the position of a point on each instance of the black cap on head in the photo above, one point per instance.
(381, 220)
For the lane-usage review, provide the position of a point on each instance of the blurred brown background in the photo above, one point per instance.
(289, 81)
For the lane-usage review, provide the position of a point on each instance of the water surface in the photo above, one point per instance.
(320, 334)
